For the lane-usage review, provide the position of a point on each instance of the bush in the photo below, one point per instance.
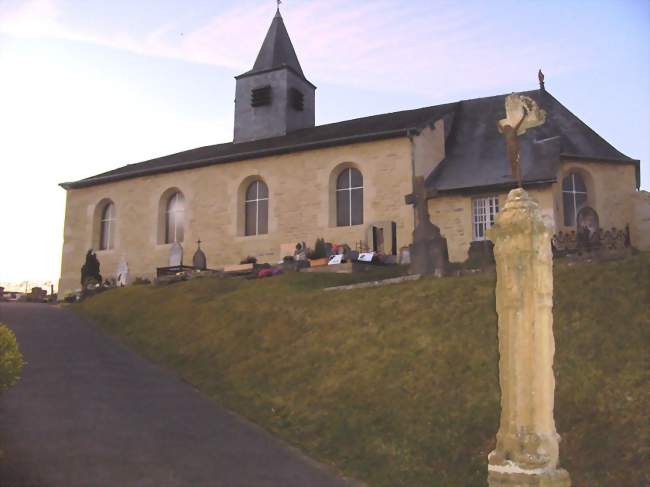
(11, 360)
(319, 251)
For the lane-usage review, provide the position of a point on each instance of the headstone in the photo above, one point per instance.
(428, 252)
(480, 253)
(587, 224)
(176, 255)
(527, 449)
(404, 256)
(122, 273)
(199, 262)
(382, 237)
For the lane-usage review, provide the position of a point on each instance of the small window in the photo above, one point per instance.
(349, 198)
(261, 96)
(107, 227)
(574, 197)
(174, 218)
(484, 211)
(296, 100)
(256, 207)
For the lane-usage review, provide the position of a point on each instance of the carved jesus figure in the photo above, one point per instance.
(522, 113)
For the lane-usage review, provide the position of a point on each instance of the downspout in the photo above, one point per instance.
(411, 133)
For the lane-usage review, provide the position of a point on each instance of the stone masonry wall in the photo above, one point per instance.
(610, 189)
(301, 207)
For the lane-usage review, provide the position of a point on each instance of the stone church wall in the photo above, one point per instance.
(610, 191)
(453, 214)
(301, 207)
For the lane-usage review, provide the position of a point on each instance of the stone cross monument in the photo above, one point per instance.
(527, 450)
(429, 253)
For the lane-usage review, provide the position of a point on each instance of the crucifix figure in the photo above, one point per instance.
(522, 113)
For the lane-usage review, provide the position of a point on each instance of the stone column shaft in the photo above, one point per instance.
(527, 448)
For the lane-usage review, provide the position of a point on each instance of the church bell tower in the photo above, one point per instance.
(274, 98)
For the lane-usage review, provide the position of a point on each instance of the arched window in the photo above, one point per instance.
(257, 208)
(349, 198)
(107, 227)
(174, 218)
(574, 197)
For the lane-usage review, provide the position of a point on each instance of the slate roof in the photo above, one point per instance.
(475, 151)
(350, 131)
(277, 51)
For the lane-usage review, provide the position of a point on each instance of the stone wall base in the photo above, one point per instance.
(557, 478)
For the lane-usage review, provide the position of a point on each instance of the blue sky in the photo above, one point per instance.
(89, 85)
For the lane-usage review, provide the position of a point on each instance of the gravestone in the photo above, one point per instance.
(122, 272)
(199, 261)
(176, 255)
(527, 449)
(382, 237)
(587, 224)
(480, 254)
(428, 252)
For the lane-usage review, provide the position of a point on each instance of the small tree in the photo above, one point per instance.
(11, 360)
(319, 249)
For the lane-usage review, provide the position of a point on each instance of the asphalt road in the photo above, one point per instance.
(88, 412)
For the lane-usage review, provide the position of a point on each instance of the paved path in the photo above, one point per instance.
(87, 412)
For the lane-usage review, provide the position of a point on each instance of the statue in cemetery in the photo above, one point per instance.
(527, 446)
(90, 270)
(522, 113)
(122, 273)
(300, 253)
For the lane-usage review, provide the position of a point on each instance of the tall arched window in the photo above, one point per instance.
(107, 227)
(174, 218)
(574, 197)
(349, 198)
(257, 208)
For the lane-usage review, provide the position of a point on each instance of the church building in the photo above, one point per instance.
(283, 179)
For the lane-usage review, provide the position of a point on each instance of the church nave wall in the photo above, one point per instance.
(300, 208)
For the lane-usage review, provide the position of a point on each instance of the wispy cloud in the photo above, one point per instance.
(380, 45)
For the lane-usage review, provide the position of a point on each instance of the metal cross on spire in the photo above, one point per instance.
(279, 2)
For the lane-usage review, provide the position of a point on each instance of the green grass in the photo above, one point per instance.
(398, 386)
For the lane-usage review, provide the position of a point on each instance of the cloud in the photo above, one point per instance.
(380, 45)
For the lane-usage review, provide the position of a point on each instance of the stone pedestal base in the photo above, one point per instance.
(557, 478)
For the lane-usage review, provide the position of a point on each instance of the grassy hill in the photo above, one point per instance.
(398, 385)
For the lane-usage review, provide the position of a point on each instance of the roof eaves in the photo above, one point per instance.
(492, 187)
(253, 72)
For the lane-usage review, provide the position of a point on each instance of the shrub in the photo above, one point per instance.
(11, 360)
(319, 249)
